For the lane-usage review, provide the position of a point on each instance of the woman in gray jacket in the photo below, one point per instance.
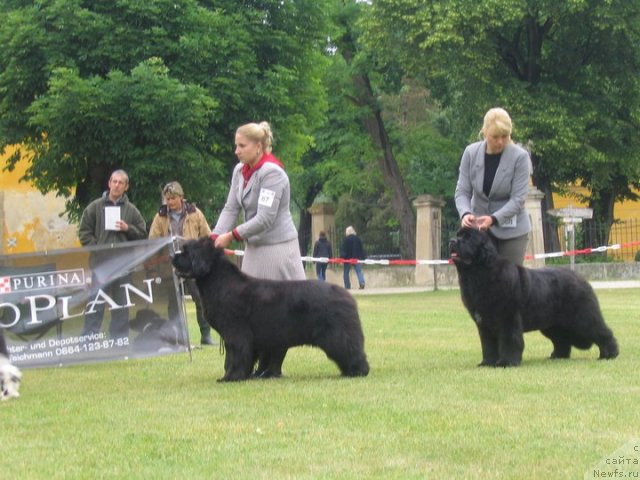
(260, 190)
(493, 184)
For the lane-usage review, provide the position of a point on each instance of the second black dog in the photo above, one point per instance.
(505, 300)
(261, 319)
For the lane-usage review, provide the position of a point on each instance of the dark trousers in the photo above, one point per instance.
(192, 289)
(513, 249)
(119, 325)
(3, 346)
(321, 271)
(346, 275)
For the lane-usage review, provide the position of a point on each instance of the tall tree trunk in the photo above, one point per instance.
(304, 232)
(304, 228)
(549, 230)
(599, 226)
(374, 126)
(402, 207)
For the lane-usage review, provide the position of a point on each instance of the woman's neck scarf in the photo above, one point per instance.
(247, 170)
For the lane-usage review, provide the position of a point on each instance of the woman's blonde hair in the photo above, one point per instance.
(259, 133)
(497, 121)
(350, 231)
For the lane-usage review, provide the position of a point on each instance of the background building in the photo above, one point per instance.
(29, 220)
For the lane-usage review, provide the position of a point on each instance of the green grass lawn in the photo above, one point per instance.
(424, 411)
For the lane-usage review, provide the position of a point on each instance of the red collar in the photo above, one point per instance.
(247, 171)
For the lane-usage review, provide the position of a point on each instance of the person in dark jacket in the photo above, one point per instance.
(352, 249)
(99, 228)
(322, 249)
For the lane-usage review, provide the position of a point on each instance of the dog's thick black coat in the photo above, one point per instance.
(505, 300)
(259, 320)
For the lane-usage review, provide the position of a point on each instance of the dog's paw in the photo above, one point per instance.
(263, 374)
(609, 352)
(487, 363)
(504, 363)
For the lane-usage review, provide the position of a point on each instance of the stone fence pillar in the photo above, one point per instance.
(533, 205)
(428, 235)
(323, 219)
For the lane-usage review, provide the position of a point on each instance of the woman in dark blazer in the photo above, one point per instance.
(493, 184)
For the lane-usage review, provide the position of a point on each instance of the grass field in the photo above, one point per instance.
(425, 410)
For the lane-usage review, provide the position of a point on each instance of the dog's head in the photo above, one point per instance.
(197, 258)
(471, 246)
(10, 378)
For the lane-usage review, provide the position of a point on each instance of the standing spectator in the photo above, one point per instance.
(322, 248)
(96, 230)
(493, 184)
(180, 218)
(352, 249)
(260, 190)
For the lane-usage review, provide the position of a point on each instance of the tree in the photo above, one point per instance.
(153, 126)
(155, 87)
(358, 64)
(566, 71)
(347, 162)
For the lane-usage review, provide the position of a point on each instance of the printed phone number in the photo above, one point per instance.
(93, 346)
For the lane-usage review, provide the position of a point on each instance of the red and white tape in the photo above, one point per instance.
(569, 253)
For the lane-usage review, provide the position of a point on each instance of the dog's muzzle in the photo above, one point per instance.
(453, 251)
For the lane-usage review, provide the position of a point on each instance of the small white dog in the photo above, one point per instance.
(10, 378)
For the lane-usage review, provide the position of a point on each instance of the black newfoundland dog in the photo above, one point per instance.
(505, 300)
(259, 320)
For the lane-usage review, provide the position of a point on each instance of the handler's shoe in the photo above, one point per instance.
(207, 340)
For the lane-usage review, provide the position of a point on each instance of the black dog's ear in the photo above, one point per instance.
(203, 255)
(198, 265)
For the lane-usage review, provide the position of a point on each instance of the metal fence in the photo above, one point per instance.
(589, 234)
(383, 245)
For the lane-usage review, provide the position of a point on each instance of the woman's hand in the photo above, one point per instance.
(469, 221)
(224, 240)
(484, 222)
(481, 223)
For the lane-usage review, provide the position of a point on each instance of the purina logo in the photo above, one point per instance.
(31, 282)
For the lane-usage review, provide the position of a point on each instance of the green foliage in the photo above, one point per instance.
(568, 73)
(369, 192)
(424, 411)
(427, 154)
(157, 87)
(153, 125)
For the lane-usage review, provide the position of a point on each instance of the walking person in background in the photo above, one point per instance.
(98, 228)
(322, 249)
(180, 218)
(260, 190)
(352, 249)
(493, 184)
